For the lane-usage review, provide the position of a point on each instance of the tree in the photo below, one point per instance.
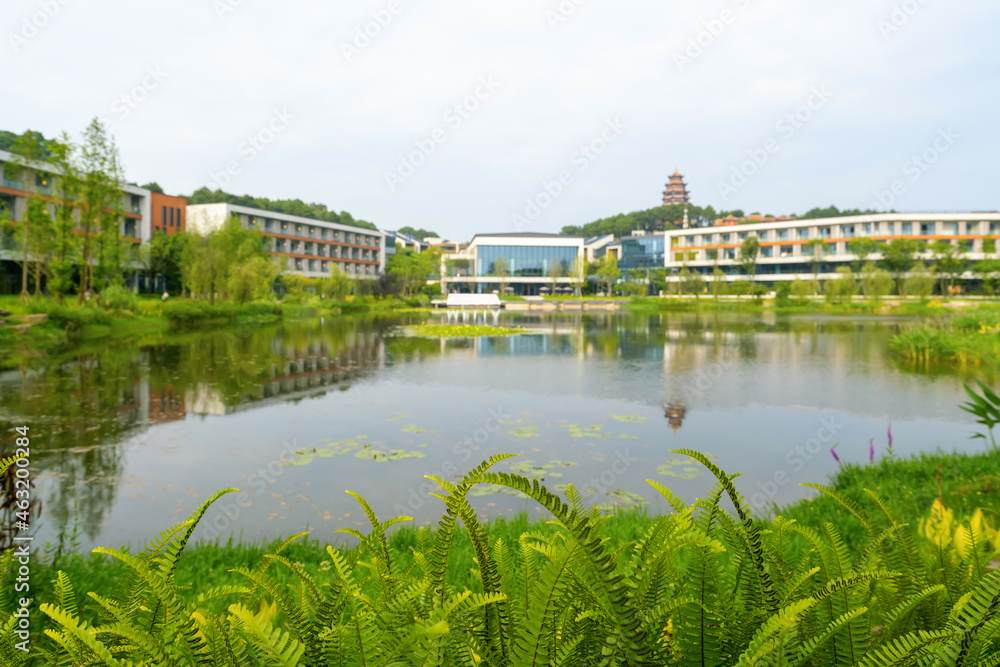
(897, 258)
(988, 270)
(412, 269)
(501, 269)
(556, 271)
(419, 234)
(817, 248)
(949, 264)
(748, 257)
(802, 289)
(99, 196)
(692, 282)
(152, 186)
(67, 243)
(920, 281)
(718, 282)
(861, 248)
(843, 287)
(578, 272)
(337, 285)
(875, 282)
(609, 272)
(29, 151)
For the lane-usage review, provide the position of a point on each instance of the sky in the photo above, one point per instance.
(465, 117)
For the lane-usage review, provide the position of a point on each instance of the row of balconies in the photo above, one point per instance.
(321, 249)
(273, 226)
(323, 266)
(876, 229)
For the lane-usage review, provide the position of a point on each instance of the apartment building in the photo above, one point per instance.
(788, 248)
(306, 246)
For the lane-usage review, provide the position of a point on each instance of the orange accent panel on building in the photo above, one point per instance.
(168, 214)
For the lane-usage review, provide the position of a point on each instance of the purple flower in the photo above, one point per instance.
(832, 451)
(871, 451)
(889, 433)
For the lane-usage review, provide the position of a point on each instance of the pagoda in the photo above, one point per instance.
(676, 192)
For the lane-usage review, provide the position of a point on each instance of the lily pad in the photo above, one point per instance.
(384, 455)
(595, 431)
(679, 468)
(529, 468)
(413, 428)
(524, 432)
(623, 499)
(629, 419)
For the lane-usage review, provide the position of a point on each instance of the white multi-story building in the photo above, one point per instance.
(306, 246)
(789, 248)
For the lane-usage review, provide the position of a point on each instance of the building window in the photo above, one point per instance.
(782, 234)
(907, 229)
(766, 251)
(762, 235)
(786, 251)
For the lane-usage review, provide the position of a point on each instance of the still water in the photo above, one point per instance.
(128, 440)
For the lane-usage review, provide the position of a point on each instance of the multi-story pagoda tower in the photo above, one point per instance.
(676, 192)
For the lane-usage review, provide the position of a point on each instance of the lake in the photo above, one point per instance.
(128, 438)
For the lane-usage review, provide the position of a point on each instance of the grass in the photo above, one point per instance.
(967, 482)
(971, 338)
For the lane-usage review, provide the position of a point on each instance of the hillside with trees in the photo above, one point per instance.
(670, 217)
(286, 206)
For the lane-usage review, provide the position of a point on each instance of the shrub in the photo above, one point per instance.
(72, 319)
(187, 312)
(118, 298)
(700, 587)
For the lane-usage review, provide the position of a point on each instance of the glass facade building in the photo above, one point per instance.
(524, 261)
(642, 252)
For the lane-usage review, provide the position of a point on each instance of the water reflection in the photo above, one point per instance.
(124, 436)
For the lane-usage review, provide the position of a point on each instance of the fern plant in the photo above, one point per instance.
(702, 586)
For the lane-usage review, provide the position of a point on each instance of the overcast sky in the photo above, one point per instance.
(349, 119)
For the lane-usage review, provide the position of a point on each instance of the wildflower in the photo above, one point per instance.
(837, 458)
(889, 432)
(871, 451)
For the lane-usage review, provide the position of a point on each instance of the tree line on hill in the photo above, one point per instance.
(671, 217)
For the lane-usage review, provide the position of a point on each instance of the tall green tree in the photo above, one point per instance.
(817, 249)
(412, 269)
(65, 256)
(748, 257)
(949, 264)
(898, 256)
(29, 151)
(501, 269)
(862, 248)
(99, 195)
(556, 270)
(609, 272)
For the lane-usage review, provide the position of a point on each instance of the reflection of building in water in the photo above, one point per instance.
(303, 371)
(166, 405)
(675, 413)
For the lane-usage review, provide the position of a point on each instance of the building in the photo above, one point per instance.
(392, 239)
(533, 262)
(676, 192)
(169, 214)
(135, 210)
(640, 250)
(788, 250)
(306, 246)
